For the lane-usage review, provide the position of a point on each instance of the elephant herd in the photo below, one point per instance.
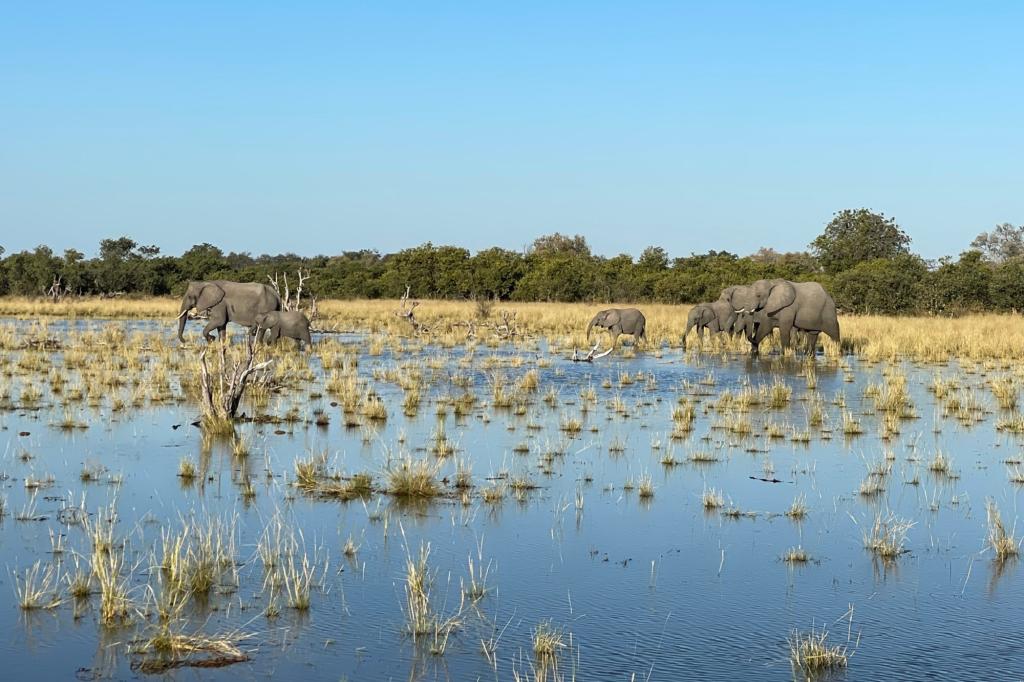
(250, 304)
(754, 310)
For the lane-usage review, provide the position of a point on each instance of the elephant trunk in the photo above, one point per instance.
(591, 326)
(182, 319)
(689, 326)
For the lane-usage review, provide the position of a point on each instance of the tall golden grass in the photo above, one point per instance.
(931, 339)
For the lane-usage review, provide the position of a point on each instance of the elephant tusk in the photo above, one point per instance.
(183, 314)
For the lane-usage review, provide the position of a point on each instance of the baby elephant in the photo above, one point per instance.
(288, 323)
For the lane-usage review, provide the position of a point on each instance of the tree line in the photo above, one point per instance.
(863, 258)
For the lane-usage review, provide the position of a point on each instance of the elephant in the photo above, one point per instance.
(711, 316)
(619, 321)
(804, 306)
(757, 326)
(290, 324)
(237, 302)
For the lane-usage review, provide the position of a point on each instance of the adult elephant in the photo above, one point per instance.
(237, 302)
(756, 327)
(618, 321)
(805, 306)
(712, 316)
(291, 324)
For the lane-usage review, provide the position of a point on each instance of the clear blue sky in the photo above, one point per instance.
(319, 127)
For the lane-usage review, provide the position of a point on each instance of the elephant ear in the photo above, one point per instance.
(209, 296)
(781, 295)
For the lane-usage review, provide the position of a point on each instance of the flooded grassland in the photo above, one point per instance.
(470, 504)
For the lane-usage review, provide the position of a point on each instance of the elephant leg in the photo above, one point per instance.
(308, 339)
(785, 329)
(812, 343)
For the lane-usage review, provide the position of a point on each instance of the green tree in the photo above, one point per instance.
(961, 286)
(115, 271)
(1006, 288)
(30, 273)
(495, 272)
(201, 262)
(884, 286)
(74, 272)
(559, 243)
(858, 236)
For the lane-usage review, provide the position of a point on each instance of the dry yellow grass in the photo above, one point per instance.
(932, 339)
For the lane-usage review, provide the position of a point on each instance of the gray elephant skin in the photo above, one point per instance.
(711, 316)
(289, 324)
(620, 321)
(779, 303)
(237, 302)
(756, 327)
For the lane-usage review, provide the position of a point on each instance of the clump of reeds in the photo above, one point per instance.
(796, 555)
(475, 587)
(712, 499)
(186, 469)
(1005, 391)
(571, 424)
(493, 494)
(548, 641)
(108, 570)
(940, 464)
(778, 395)
(887, 535)
(702, 457)
(1002, 542)
(299, 575)
(798, 509)
(414, 478)
(645, 486)
(421, 618)
(811, 654)
(36, 587)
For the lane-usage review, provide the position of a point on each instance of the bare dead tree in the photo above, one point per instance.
(286, 298)
(223, 393)
(407, 311)
(57, 290)
(508, 327)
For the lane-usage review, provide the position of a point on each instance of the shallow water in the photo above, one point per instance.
(658, 588)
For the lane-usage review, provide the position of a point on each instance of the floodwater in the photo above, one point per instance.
(641, 588)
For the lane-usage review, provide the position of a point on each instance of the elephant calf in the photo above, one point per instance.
(288, 323)
(619, 321)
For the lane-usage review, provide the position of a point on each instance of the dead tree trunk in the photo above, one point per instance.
(286, 299)
(407, 311)
(223, 393)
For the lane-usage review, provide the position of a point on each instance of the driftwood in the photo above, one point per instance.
(590, 357)
(231, 381)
